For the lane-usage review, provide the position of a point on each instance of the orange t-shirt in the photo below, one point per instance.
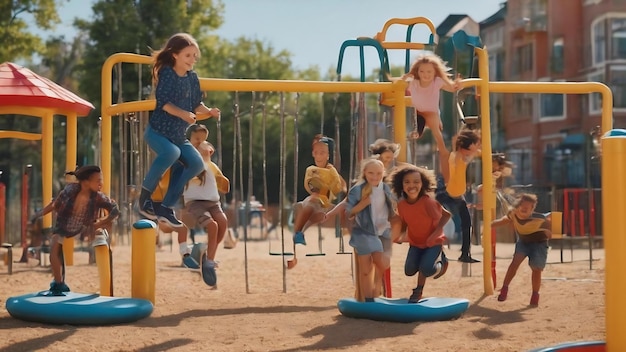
(421, 219)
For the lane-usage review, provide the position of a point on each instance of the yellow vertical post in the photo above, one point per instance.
(68, 251)
(488, 201)
(103, 262)
(614, 228)
(105, 125)
(47, 147)
(399, 118)
(143, 260)
(71, 142)
(70, 164)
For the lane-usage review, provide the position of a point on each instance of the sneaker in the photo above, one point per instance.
(466, 258)
(504, 291)
(534, 299)
(146, 209)
(298, 238)
(62, 286)
(190, 262)
(417, 295)
(58, 289)
(442, 265)
(166, 215)
(208, 272)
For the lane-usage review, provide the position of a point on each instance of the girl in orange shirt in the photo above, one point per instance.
(423, 219)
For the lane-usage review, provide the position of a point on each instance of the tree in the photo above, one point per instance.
(139, 27)
(17, 42)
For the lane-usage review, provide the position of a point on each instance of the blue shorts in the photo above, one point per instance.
(537, 253)
(365, 244)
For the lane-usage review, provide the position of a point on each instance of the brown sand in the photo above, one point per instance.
(188, 316)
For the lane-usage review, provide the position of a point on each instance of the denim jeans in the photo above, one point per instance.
(169, 154)
(422, 260)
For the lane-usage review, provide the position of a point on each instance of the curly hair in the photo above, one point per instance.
(465, 138)
(441, 69)
(396, 180)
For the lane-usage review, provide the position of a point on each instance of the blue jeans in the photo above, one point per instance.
(422, 260)
(167, 155)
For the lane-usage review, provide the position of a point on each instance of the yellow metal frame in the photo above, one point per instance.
(47, 144)
(396, 91)
(380, 36)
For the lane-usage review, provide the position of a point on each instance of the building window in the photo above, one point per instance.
(595, 99)
(552, 106)
(522, 159)
(618, 38)
(618, 86)
(523, 59)
(522, 106)
(599, 42)
(557, 55)
(500, 66)
(496, 65)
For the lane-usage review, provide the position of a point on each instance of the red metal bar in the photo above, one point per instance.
(577, 210)
(3, 209)
(24, 214)
(572, 223)
(24, 210)
(566, 214)
(493, 256)
(581, 221)
(592, 215)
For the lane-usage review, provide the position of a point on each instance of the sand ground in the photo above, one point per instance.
(249, 311)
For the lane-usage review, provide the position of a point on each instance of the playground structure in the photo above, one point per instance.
(396, 91)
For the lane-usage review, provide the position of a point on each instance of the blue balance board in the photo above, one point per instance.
(399, 310)
(77, 308)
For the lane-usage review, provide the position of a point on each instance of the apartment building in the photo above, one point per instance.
(547, 135)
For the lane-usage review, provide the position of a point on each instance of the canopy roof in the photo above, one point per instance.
(20, 86)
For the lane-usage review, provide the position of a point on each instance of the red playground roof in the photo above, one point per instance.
(20, 86)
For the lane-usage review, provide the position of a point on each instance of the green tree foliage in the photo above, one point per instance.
(139, 27)
(17, 41)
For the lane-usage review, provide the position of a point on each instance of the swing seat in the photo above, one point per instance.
(315, 254)
(470, 120)
(281, 253)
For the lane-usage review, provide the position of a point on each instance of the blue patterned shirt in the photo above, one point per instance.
(183, 92)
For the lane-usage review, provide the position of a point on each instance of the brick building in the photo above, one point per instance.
(547, 135)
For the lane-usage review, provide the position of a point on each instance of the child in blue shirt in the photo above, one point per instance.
(178, 101)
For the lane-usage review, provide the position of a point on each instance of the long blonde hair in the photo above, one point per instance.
(366, 190)
(441, 69)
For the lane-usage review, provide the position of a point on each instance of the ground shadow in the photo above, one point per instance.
(165, 346)
(39, 343)
(492, 317)
(175, 319)
(348, 332)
